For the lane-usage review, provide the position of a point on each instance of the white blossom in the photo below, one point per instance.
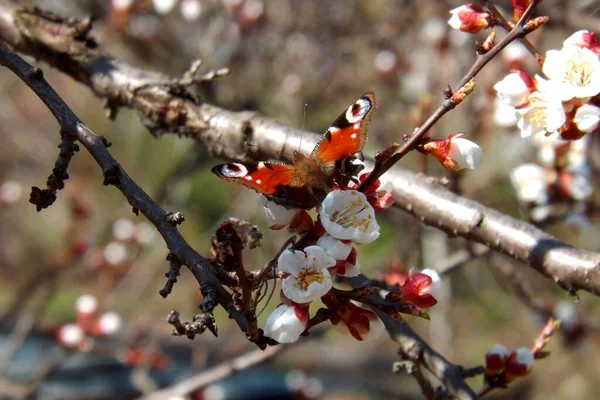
(164, 6)
(540, 213)
(86, 304)
(115, 253)
(575, 70)
(122, 4)
(504, 115)
(347, 215)
(579, 185)
(144, 233)
(469, 18)
(191, 9)
(108, 324)
(546, 148)
(464, 153)
(308, 278)
(587, 118)
(123, 229)
(566, 312)
(513, 90)
(576, 39)
(351, 270)
(524, 356)
(70, 335)
(284, 324)
(544, 114)
(334, 247)
(529, 181)
(278, 216)
(10, 192)
(436, 281)
(499, 349)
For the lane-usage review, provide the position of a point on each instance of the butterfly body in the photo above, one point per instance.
(305, 183)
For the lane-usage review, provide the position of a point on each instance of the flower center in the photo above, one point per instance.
(306, 276)
(348, 217)
(538, 113)
(578, 72)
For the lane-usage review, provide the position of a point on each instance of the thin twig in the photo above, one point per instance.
(221, 371)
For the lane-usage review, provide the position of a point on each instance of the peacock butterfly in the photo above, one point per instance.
(306, 183)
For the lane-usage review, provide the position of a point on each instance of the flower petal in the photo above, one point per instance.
(284, 326)
(334, 247)
(291, 261)
(347, 215)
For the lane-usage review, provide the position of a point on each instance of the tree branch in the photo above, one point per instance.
(201, 267)
(65, 45)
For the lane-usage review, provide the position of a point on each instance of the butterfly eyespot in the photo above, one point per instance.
(357, 111)
(235, 170)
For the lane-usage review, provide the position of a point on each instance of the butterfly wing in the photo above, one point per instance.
(264, 177)
(348, 133)
(281, 183)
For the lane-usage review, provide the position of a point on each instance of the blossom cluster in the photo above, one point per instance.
(89, 323)
(502, 366)
(127, 240)
(557, 112)
(345, 218)
(561, 105)
(562, 176)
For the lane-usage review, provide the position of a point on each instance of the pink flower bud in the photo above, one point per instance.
(587, 118)
(454, 153)
(470, 18)
(495, 360)
(584, 39)
(10, 193)
(115, 253)
(86, 305)
(163, 6)
(515, 88)
(519, 363)
(108, 324)
(123, 229)
(191, 9)
(121, 5)
(70, 335)
(80, 246)
(286, 323)
(415, 290)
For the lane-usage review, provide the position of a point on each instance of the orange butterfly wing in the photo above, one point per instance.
(348, 133)
(264, 177)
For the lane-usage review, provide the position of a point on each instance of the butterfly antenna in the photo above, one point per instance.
(303, 124)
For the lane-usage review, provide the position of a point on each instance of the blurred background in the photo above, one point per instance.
(282, 54)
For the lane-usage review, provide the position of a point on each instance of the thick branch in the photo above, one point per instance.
(225, 134)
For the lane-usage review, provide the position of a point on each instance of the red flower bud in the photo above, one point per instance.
(470, 18)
